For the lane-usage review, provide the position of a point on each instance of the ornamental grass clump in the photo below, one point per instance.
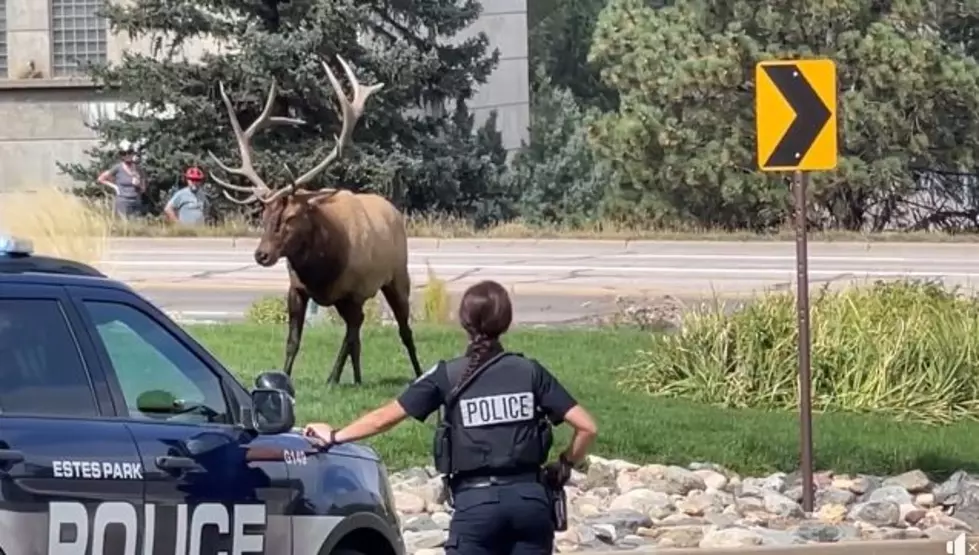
(907, 349)
(57, 222)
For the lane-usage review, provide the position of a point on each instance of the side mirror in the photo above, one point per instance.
(275, 379)
(272, 411)
(156, 401)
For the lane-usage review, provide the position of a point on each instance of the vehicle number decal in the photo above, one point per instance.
(297, 457)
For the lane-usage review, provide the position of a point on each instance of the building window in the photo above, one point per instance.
(79, 36)
(3, 39)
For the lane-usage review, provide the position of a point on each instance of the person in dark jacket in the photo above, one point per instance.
(495, 444)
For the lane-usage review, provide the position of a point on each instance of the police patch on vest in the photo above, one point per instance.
(497, 409)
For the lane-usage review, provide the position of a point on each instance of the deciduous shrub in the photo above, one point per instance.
(433, 306)
(270, 309)
(906, 349)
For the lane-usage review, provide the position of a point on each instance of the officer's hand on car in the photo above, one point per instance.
(320, 435)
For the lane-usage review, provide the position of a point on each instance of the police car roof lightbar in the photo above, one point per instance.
(14, 247)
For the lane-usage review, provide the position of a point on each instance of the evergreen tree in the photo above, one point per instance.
(401, 146)
(560, 38)
(559, 178)
(908, 84)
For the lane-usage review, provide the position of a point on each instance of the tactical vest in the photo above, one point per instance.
(494, 425)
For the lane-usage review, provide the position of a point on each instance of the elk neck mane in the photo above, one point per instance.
(322, 258)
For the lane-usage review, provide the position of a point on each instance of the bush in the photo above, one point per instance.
(435, 307)
(373, 313)
(270, 309)
(908, 350)
(559, 178)
(58, 223)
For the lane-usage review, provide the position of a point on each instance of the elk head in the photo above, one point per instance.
(287, 216)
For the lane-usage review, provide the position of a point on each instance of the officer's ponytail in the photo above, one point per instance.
(481, 349)
(485, 313)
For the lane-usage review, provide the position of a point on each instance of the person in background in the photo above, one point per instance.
(188, 206)
(494, 448)
(126, 178)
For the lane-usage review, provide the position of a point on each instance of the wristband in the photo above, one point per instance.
(333, 438)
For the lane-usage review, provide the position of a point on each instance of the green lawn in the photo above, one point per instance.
(631, 426)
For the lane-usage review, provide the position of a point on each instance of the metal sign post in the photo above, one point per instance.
(801, 184)
(795, 113)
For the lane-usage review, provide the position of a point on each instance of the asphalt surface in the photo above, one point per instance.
(553, 281)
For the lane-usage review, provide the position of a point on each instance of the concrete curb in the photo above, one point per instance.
(437, 243)
(883, 547)
(453, 287)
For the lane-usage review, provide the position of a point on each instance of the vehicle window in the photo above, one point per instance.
(41, 370)
(161, 379)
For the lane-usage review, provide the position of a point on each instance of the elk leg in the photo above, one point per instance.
(401, 308)
(296, 300)
(352, 313)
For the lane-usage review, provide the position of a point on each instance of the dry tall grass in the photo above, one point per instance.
(453, 228)
(436, 303)
(57, 222)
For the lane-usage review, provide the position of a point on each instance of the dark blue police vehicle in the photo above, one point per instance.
(121, 435)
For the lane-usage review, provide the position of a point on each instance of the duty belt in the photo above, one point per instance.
(487, 481)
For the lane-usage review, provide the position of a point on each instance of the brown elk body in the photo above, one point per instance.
(341, 248)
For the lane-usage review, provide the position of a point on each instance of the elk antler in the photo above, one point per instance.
(259, 189)
(351, 110)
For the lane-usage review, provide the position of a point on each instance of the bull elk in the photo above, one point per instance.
(341, 248)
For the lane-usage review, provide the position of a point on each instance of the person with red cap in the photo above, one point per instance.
(188, 205)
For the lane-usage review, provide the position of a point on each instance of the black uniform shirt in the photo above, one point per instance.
(425, 395)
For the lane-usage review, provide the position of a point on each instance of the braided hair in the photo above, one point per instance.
(485, 313)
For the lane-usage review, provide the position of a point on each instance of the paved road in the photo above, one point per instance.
(553, 281)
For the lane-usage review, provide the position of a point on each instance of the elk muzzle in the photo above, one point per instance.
(265, 257)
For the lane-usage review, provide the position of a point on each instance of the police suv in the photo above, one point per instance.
(121, 435)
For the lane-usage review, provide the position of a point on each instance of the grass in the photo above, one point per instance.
(907, 349)
(435, 308)
(99, 213)
(633, 426)
(450, 228)
(454, 228)
(57, 223)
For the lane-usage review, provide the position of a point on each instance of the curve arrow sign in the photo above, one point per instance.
(811, 115)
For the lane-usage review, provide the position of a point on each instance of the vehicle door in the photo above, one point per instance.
(203, 486)
(70, 475)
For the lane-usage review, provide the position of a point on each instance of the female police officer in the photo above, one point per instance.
(496, 440)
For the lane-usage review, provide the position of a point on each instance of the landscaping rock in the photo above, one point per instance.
(914, 481)
(732, 537)
(892, 494)
(834, 496)
(655, 504)
(619, 505)
(877, 513)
